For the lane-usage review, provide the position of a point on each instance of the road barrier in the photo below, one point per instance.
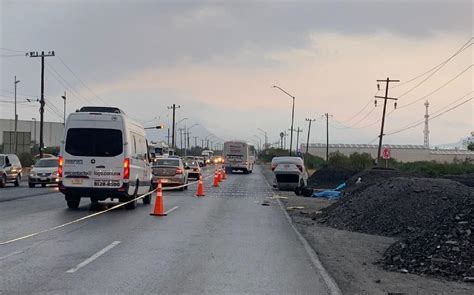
(94, 214)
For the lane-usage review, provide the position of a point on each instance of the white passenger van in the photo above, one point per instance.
(104, 154)
(238, 156)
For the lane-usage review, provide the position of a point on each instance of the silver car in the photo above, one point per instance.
(170, 171)
(44, 172)
(10, 169)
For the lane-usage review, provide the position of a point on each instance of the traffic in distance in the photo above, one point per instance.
(236, 147)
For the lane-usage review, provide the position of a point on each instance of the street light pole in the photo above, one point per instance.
(266, 137)
(64, 115)
(292, 115)
(34, 119)
(16, 121)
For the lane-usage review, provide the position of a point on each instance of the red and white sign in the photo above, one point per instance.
(386, 153)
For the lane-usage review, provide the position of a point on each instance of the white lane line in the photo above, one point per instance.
(93, 257)
(11, 254)
(171, 210)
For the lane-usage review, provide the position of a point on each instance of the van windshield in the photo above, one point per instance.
(2, 160)
(94, 142)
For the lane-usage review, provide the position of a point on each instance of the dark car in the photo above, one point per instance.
(170, 171)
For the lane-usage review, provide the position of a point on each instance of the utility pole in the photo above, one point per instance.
(181, 137)
(327, 136)
(16, 121)
(42, 103)
(173, 138)
(64, 99)
(387, 81)
(168, 137)
(309, 132)
(34, 119)
(202, 142)
(298, 131)
(195, 141)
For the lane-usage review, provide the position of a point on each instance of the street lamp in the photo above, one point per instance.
(259, 141)
(292, 115)
(266, 137)
(64, 98)
(16, 119)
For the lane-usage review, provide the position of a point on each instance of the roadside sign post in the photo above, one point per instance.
(386, 154)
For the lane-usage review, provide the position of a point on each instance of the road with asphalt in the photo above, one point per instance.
(225, 242)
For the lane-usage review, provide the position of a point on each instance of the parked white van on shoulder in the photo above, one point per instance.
(104, 154)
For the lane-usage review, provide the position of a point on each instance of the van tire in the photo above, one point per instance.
(132, 205)
(3, 181)
(31, 184)
(147, 200)
(73, 203)
(17, 181)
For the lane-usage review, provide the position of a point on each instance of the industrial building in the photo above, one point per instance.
(53, 133)
(404, 153)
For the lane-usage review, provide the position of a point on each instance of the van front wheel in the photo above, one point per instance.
(73, 203)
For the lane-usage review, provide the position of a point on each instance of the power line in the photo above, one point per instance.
(437, 89)
(415, 124)
(12, 50)
(82, 82)
(465, 46)
(11, 55)
(66, 84)
(429, 76)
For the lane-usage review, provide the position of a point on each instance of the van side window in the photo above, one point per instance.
(134, 145)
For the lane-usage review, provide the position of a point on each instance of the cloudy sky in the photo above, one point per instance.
(219, 60)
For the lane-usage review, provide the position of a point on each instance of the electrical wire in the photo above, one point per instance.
(82, 82)
(12, 50)
(417, 123)
(437, 89)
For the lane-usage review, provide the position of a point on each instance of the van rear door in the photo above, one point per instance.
(94, 157)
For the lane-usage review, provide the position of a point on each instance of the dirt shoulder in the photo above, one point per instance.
(351, 258)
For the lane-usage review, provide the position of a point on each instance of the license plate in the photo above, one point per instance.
(164, 180)
(76, 181)
(114, 183)
(43, 178)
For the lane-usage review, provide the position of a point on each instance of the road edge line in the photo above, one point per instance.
(327, 278)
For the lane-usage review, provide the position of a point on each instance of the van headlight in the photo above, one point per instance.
(55, 174)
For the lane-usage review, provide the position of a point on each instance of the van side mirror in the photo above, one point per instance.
(8, 164)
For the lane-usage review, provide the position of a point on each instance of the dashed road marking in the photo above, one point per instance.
(11, 254)
(93, 257)
(171, 210)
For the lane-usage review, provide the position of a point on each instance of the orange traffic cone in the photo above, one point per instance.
(216, 180)
(159, 208)
(200, 189)
(219, 175)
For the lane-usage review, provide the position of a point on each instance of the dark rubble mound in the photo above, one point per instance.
(446, 250)
(329, 177)
(397, 206)
(433, 217)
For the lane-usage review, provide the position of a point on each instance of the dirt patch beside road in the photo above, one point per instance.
(353, 259)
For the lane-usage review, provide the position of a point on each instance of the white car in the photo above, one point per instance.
(290, 173)
(104, 155)
(44, 172)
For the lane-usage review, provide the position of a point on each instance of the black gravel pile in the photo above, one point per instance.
(329, 177)
(433, 217)
(446, 250)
